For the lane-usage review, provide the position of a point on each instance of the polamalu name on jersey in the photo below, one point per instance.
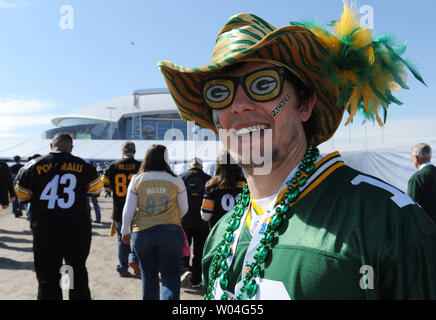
(67, 166)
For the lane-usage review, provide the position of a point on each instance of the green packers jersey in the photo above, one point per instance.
(349, 236)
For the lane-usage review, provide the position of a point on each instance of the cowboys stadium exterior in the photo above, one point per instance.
(145, 115)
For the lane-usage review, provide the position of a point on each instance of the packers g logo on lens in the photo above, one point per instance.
(218, 93)
(263, 85)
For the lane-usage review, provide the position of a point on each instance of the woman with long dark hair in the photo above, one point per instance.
(222, 190)
(156, 200)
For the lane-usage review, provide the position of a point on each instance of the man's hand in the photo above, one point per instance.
(4, 206)
(126, 238)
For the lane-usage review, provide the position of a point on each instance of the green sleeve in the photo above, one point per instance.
(412, 276)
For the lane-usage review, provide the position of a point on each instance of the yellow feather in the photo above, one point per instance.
(348, 21)
(365, 103)
(370, 54)
(346, 76)
(394, 86)
(374, 110)
(363, 38)
(367, 92)
(352, 104)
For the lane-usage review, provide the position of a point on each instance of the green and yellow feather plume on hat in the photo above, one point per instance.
(347, 68)
(361, 70)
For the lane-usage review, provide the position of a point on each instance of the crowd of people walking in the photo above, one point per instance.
(155, 214)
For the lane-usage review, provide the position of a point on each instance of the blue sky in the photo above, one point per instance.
(114, 47)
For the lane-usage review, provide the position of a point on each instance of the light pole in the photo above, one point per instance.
(111, 123)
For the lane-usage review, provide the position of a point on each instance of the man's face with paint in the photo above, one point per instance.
(249, 118)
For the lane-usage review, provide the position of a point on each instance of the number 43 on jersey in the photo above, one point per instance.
(64, 184)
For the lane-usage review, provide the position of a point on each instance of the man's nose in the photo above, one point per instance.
(241, 103)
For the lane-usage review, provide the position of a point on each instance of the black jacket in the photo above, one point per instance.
(195, 179)
(422, 189)
(6, 187)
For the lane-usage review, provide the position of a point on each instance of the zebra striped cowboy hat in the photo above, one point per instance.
(347, 68)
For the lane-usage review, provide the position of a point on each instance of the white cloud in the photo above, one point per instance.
(18, 115)
(11, 122)
(17, 106)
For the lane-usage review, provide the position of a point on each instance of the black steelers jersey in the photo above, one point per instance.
(221, 201)
(117, 177)
(57, 185)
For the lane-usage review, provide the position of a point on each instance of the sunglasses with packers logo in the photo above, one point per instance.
(260, 85)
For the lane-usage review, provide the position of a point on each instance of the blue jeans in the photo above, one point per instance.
(159, 249)
(96, 208)
(125, 254)
(28, 213)
(17, 206)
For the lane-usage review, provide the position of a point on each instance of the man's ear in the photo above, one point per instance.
(306, 108)
(415, 161)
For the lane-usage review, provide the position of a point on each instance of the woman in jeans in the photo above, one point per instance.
(155, 202)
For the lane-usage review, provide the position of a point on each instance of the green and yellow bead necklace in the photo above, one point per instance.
(219, 265)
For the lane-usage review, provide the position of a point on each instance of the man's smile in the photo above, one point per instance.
(251, 129)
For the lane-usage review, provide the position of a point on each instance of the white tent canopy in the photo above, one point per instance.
(392, 163)
(179, 151)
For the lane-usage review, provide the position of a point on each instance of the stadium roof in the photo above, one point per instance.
(152, 101)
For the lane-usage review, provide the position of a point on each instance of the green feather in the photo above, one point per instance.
(364, 114)
(414, 72)
(391, 98)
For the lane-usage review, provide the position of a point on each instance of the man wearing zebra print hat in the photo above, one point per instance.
(311, 227)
